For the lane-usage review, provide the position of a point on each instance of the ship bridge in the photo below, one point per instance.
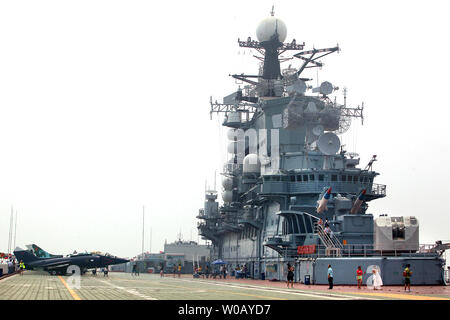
(313, 182)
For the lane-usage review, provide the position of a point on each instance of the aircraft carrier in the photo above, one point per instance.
(287, 169)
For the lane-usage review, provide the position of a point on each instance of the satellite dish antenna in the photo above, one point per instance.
(318, 130)
(329, 143)
(325, 88)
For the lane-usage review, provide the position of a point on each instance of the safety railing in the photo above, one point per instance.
(366, 250)
(332, 244)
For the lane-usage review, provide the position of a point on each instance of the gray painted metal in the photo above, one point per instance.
(268, 213)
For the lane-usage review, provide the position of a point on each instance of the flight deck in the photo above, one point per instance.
(35, 285)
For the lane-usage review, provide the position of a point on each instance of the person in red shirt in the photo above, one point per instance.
(359, 275)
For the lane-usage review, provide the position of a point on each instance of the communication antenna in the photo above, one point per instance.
(328, 143)
(143, 214)
(273, 11)
(318, 130)
(345, 122)
(345, 96)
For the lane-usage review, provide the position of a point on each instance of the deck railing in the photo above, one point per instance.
(365, 250)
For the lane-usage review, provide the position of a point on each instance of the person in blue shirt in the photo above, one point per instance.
(330, 277)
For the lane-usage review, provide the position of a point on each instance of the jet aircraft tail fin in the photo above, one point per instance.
(41, 253)
(25, 256)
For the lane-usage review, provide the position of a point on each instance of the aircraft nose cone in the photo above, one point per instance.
(119, 261)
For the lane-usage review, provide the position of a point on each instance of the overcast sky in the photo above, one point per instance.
(104, 109)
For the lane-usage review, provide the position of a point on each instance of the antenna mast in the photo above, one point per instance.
(143, 214)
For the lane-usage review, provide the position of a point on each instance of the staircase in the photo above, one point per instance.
(333, 245)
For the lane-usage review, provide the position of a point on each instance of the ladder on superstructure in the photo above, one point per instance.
(331, 242)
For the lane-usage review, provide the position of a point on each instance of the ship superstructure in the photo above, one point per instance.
(291, 192)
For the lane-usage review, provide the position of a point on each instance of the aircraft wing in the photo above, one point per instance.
(57, 266)
(53, 263)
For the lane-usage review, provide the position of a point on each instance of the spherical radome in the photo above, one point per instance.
(235, 134)
(267, 28)
(251, 163)
(231, 134)
(227, 196)
(227, 183)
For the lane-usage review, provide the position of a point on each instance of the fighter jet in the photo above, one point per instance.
(55, 266)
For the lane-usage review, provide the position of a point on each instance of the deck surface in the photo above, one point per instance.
(33, 285)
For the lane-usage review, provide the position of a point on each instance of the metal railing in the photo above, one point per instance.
(315, 186)
(366, 250)
(332, 244)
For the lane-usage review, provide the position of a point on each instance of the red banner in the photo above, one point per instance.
(306, 249)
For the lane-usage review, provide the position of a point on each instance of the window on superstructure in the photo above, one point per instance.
(361, 179)
(366, 179)
(276, 178)
(301, 225)
(321, 177)
(355, 179)
(284, 178)
(349, 178)
(295, 224)
(311, 177)
(284, 227)
(344, 178)
(299, 178)
(292, 178)
(305, 177)
(333, 177)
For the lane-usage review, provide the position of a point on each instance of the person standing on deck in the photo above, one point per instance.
(407, 275)
(359, 276)
(290, 275)
(21, 267)
(330, 277)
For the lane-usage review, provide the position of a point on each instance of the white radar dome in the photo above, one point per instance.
(252, 163)
(268, 27)
(231, 134)
(227, 183)
(232, 147)
(235, 134)
(227, 196)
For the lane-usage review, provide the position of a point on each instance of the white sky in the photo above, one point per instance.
(104, 108)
